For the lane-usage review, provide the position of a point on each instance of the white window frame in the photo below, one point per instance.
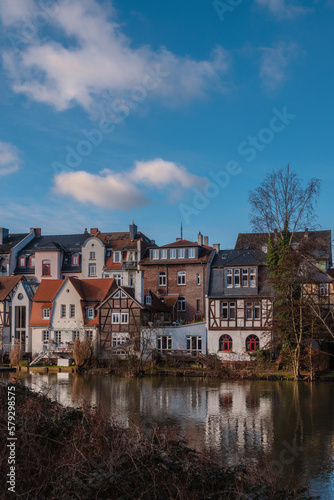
(90, 313)
(89, 334)
(164, 343)
(324, 290)
(180, 253)
(118, 278)
(198, 279)
(191, 253)
(229, 278)
(57, 336)
(197, 339)
(181, 304)
(244, 278)
(162, 278)
(236, 278)
(181, 278)
(117, 256)
(155, 254)
(91, 266)
(164, 253)
(252, 277)
(148, 300)
(224, 308)
(46, 313)
(172, 253)
(75, 335)
(45, 336)
(232, 306)
(92, 256)
(115, 318)
(63, 310)
(72, 310)
(124, 318)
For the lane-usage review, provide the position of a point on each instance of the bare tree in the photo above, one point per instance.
(281, 200)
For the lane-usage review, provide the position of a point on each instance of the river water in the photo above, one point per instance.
(288, 427)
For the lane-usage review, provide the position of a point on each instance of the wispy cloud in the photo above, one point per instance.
(283, 9)
(274, 63)
(125, 190)
(12, 11)
(9, 158)
(94, 62)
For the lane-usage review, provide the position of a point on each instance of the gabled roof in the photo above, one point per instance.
(60, 242)
(314, 274)
(182, 243)
(127, 290)
(7, 285)
(159, 305)
(92, 290)
(47, 290)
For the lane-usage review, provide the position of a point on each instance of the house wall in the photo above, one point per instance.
(179, 335)
(191, 291)
(239, 337)
(27, 303)
(93, 245)
(55, 259)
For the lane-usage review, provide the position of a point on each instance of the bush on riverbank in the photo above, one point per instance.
(68, 453)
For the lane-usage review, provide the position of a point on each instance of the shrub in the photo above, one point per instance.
(15, 355)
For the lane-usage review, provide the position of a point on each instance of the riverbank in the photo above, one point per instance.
(67, 453)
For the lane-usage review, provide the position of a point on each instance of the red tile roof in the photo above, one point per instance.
(7, 284)
(36, 318)
(47, 290)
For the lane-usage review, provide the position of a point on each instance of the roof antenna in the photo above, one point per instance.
(181, 232)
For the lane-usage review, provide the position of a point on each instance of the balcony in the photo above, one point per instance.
(130, 264)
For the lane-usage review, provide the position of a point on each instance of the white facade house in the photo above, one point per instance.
(21, 310)
(190, 338)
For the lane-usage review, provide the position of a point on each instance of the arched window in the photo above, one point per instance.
(252, 343)
(225, 343)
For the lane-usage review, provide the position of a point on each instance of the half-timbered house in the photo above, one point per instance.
(239, 304)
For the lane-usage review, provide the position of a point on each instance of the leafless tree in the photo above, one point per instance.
(281, 199)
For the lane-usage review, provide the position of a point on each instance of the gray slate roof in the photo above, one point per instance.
(11, 241)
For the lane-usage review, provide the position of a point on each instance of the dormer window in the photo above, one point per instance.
(155, 254)
(46, 313)
(191, 253)
(180, 253)
(117, 256)
(32, 261)
(22, 262)
(164, 253)
(172, 254)
(90, 313)
(75, 260)
(252, 277)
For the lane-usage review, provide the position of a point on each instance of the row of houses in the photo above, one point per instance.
(118, 288)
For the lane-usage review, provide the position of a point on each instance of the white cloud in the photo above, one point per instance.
(99, 64)
(13, 11)
(108, 190)
(274, 64)
(160, 173)
(125, 190)
(283, 9)
(9, 158)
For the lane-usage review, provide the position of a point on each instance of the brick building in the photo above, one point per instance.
(179, 269)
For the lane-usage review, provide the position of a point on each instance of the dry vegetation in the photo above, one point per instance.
(65, 453)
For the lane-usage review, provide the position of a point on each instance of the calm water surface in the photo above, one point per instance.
(289, 427)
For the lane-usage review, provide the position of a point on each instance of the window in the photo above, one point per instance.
(72, 310)
(58, 337)
(117, 256)
(257, 310)
(63, 311)
(172, 253)
(89, 334)
(91, 269)
(224, 310)
(252, 278)
(131, 280)
(191, 253)
(164, 343)
(164, 253)
(32, 261)
(229, 283)
(46, 268)
(245, 277)
(155, 254)
(75, 260)
(249, 310)
(148, 300)
(236, 278)
(180, 253)
(108, 253)
(92, 255)
(198, 305)
(181, 304)
(162, 279)
(45, 336)
(232, 310)
(324, 290)
(119, 339)
(181, 278)
(90, 312)
(252, 343)
(118, 279)
(46, 313)
(198, 279)
(22, 262)
(225, 343)
(124, 318)
(75, 335)
(115, 318)
(194, 343)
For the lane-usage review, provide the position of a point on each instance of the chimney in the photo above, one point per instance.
(3, 234)
(216, 246)
(133, 231)
(200, 238)
(206, 241)
(85, 231)
(306, 233)
(94, 230)
(178, 239)
(38, 231)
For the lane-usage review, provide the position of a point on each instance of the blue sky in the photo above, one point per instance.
(120, 110)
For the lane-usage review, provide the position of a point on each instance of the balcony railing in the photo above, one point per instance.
(130, 264)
